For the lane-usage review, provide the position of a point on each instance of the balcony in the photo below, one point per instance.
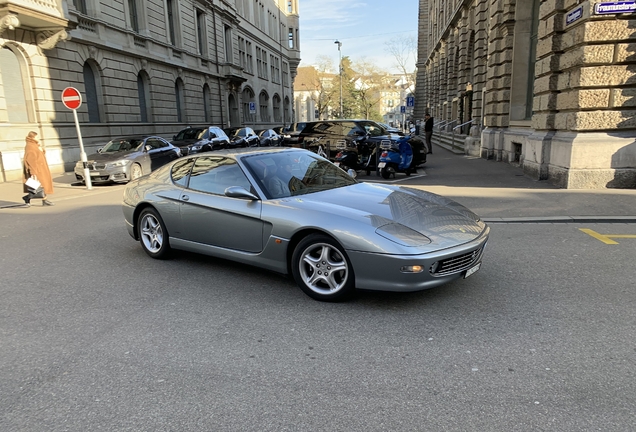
(44, 17)
(233, 74)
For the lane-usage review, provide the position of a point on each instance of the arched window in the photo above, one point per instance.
(278, 118)
(206, 102)
(263, 105)
(180, 100)
(143, 90)
(91, 83)
(287, 114)
(248, 96)
(15, 92)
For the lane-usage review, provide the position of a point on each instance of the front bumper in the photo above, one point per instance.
(383, 272)
(118, 174)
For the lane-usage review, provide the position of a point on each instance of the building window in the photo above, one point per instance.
(261, 63)
(241, 50)
(143, 94)
(80, 6)
(249, 65)
(92, 94)
(247, 97)
(228, 44)
(13, 86)
(170, 11)
(263, 104)
(286, 113)
(265, 73)
(285, 74)
(290, 6)
(276, 107)
(180, 99)
(202, 46)
(134, 17)
(290, 38)
(534, 35)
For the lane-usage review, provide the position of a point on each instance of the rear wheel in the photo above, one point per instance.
(322, 269)
(136, 171)
(153, 234)
(385, 173)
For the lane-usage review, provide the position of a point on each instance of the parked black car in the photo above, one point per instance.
(200, 139)
(335, 135)
(291, 134)
(242, 137)
(269, 138)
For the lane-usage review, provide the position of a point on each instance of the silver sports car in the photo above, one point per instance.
(291, 211)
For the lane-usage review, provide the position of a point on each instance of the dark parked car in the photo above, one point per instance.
(200, 139)
(293, 212)
(242, 137)
(127, 158)
(291, 133)
(336, 134)
(269, 138)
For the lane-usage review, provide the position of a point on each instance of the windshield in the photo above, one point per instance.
(285, 174)
(122, 144)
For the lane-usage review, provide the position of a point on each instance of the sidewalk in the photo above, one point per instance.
(496, 191)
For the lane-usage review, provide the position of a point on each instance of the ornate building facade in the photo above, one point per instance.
(142, 67)
(547, 84)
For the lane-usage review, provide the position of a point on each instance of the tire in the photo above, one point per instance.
(385, 173)
(310, 257)
(153, 234)
(136, 171)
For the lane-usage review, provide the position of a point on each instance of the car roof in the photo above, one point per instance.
(132, 137)
(239, 152)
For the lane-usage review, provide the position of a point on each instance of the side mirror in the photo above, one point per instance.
(240, 192)
(99, 150)
(148, 147)
(174, 137)
(352, 173)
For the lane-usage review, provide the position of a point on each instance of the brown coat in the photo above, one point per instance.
(35, 164)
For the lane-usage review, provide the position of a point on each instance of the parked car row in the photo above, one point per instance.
(126, 158)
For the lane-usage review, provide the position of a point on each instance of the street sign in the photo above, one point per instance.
(71, 98)
(616, 7)
(410, 101)
(252, 107)
(402, 109)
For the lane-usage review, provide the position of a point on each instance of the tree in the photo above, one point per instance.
(369, 82)
(403, 50)
(317, 83)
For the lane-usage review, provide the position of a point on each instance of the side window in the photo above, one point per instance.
(180, 172)
(155, 143)
(214, 175)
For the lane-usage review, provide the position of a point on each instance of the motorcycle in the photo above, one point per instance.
(396, 156)
(360, 157)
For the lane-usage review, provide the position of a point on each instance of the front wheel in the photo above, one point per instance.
(135, 171)
(153, 234)
(322, 269)
(385, 173)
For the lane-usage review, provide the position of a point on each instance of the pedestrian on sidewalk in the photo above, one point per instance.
(428, 132)
(36, 166)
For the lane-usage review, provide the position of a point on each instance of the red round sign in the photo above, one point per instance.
(71, 98)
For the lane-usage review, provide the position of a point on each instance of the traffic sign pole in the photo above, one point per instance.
(72, 99)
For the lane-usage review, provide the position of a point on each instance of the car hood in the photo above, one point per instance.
(445, 222)
(110, 157)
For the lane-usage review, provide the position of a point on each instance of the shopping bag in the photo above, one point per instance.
(33, 184)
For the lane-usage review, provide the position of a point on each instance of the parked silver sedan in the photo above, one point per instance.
(127, 158)
(291, 211)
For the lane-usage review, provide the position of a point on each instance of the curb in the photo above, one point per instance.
(562, 219)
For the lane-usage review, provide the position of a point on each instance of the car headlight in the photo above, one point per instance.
(402, 235)
(79, 164)
(116, 164)
(196, 147)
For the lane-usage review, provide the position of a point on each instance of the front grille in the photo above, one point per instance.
(96, 166)
(456, 264)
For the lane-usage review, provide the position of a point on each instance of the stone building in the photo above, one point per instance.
(547, 84)
(142, 67)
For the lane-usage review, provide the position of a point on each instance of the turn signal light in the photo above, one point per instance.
(412, 269)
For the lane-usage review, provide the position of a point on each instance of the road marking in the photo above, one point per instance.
(607, 238)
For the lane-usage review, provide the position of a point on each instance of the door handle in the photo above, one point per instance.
(185, 198)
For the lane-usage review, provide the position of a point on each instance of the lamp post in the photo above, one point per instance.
(340, 71)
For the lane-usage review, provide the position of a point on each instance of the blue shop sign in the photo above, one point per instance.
(619, 7)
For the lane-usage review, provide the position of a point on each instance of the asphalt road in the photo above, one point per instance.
(95, 335)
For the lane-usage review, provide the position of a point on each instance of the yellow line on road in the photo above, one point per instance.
(607, 238)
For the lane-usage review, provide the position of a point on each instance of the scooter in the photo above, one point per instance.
(396, 156)
(358, 158)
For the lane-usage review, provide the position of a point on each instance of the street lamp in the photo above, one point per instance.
(340, 71)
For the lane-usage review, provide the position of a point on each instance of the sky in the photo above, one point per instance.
(362, 26)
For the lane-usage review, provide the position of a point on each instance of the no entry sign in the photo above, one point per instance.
(71, 98)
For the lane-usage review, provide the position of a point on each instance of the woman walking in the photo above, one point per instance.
(36, 166)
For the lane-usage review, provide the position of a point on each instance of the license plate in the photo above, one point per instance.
(472, 270)
(94, 174)
(381, 164)
(337, 164)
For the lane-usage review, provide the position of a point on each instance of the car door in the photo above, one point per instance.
(160, 152)
(211, 218)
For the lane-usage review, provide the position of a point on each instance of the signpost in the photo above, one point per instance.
(616, 7)
(72, 99)
(252, 107)
(410, 101)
